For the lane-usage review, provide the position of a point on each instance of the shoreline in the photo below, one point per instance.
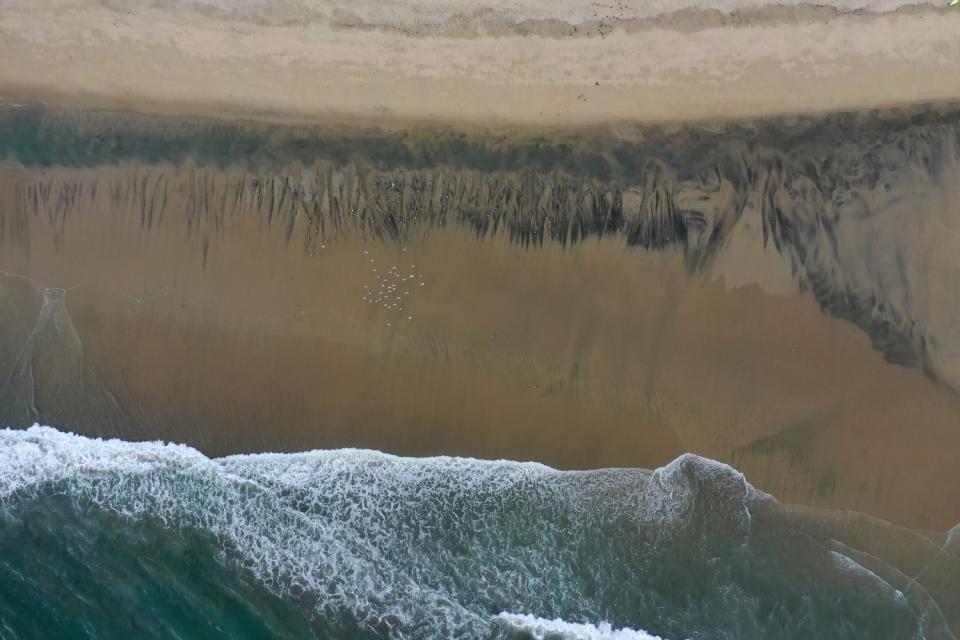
(356, 125)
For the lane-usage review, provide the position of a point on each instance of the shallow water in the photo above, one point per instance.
(736, 290)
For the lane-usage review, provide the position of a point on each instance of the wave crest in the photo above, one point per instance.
(438, 547)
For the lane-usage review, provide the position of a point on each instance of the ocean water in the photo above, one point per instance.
(115, 539)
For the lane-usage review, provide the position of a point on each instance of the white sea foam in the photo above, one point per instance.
(542, 629)
(421, 548)
(397, 542)
(40, 455)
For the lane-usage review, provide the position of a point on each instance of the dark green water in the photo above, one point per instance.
(119, 540)
(34, 135)
(70, 571)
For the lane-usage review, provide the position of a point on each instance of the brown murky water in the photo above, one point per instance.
(223, 332)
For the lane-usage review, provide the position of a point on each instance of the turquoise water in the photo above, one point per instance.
(109, 539)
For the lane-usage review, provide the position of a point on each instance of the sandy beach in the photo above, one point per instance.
(492, 66)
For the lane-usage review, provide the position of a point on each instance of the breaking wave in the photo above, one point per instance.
(353, 543)
(561, 630)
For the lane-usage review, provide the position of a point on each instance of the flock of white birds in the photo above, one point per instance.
(392, 287)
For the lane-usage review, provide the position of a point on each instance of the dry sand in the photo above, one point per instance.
(492, 65)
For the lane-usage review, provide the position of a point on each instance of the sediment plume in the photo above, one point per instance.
(719, 289)
(829, 200)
